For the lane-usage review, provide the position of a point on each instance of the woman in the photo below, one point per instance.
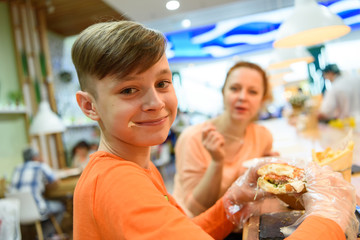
(210, 156)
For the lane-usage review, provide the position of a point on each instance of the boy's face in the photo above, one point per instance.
(137, 109)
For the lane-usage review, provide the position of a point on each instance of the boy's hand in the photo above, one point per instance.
(243, 198)
(330, 196)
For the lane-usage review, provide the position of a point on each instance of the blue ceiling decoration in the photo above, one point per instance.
(243, 35)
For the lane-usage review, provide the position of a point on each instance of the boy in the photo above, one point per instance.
(127, 88)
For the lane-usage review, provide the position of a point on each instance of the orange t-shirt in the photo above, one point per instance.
(117, 199)
(192, 161)
(317, 228)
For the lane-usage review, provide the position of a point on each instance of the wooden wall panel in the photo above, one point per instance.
(70, 17)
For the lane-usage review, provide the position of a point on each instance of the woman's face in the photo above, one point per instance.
(243, 93)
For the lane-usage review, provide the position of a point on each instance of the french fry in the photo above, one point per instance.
(338, 160)
(329, 155)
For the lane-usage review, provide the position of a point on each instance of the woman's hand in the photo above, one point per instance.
(207, 191)
(214, 143)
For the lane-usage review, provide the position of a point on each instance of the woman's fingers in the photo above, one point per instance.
(214, 142)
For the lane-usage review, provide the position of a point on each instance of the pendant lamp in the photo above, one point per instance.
(276, 76)
(284, 57)
(46, 121)
(308, 25)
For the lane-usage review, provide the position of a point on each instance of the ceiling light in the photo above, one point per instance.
(276, 77)
(308, 25)
(172, 5)
(284, 57)
(186, 23)
(46, 121)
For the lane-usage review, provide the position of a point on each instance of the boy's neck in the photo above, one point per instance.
(138, 155)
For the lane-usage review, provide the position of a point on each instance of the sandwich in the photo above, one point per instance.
(281, 178)
(287, 182)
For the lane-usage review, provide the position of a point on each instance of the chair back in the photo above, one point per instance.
(29, 212)
(10, 219)
(2, 187)
(163, 155)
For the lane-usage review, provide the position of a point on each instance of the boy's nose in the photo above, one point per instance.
(152, 101)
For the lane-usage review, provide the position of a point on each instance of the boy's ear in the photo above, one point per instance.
(87, 104)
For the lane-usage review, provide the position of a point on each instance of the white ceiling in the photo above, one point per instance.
(201, 12)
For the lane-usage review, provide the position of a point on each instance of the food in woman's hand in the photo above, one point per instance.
(281, 178)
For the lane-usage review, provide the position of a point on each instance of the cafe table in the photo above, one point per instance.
(68, 179)
(293, 143)
(64, 192)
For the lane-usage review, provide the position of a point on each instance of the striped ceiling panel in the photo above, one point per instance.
(243, 35)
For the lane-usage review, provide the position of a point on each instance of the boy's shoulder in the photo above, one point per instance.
(106, 171)
(108, 160)
(104, 163)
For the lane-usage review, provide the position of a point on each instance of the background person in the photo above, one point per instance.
(80, 154)
(342, 100)
(210, 156)
(35, 176)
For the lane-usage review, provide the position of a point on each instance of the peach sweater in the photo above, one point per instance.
(192, 160)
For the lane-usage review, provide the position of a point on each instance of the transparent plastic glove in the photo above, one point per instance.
(243, 199)
(330, 196)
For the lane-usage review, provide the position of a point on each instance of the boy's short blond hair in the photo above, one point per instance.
(115, 49)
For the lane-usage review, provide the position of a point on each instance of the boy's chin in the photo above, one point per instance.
(153, 141)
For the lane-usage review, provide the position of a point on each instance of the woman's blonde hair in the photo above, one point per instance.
(115, 49)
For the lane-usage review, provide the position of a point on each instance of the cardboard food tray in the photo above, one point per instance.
(343, 162)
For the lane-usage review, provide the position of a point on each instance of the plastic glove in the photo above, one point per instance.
(243, 199)
(330, 196)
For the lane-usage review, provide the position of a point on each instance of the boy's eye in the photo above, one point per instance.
(253, 92)
(128, 91)
(234, 88)
(163, 84)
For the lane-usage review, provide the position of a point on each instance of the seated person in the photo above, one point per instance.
(35, 176)
(209, 156)
(80, 154)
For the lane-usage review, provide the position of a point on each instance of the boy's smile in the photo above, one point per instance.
(150, 122)
(138, 109)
